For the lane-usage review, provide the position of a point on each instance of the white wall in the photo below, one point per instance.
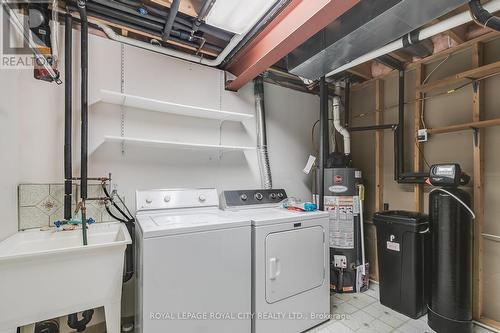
(32, 124)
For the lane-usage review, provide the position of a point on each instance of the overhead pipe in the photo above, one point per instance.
(260, 115)
(132, 7)
(423, 34)
(483, 17)
(342, 130)
(323, 139)
(172, 13)
(68, 115)
(84, 113)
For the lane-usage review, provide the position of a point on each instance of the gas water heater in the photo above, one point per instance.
(450, 305)
(343, 201)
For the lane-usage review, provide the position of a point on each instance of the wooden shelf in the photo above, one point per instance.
(174, 144)
(463, 127)
(168, 107)
(461, 78)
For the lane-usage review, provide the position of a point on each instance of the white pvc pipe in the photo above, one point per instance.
(425, 33)
(170, 52)
(336, 122)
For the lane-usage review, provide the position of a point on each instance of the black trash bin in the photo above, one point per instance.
(403, 245)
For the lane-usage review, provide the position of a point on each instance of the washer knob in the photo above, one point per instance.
(202, 198)
(244, 197)
(280, 195)
(272, 196)
(259, 196)
(149, 200)
(166, 198)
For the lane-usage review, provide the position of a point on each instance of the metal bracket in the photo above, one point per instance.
(475, 86)
(476, 137)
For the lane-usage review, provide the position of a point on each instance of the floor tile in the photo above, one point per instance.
(361, 301)
(358, 320)
(344, 308)
(336, 327)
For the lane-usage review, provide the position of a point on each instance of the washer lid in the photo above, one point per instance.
(156, 225)
(267, 216)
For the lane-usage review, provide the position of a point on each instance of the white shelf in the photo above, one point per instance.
(168, 107)
(174, 144)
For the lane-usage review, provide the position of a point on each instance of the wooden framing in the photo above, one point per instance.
(461, 78)
(185, 7)
(417, 156)
(477, 116)
(379, 161)
(463, 127)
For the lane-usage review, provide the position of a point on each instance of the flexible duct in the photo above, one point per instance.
(483, 17)
(342, 130)
(260, 117)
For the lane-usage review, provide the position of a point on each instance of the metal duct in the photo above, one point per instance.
(260, 116)
(367, 26)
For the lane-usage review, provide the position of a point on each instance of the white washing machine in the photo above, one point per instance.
(290, 262)
(193, 264)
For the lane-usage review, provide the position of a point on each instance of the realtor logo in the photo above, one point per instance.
(17, 22)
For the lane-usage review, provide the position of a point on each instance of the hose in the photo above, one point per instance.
(456, 198)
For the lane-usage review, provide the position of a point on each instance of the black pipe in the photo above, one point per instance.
(347, 102)
(68, 109)
(84, 111)
(323, 140)
(401, 121)
(172, 13)
(143, 25)
(372, 127)
(399, 152)
(482, 16)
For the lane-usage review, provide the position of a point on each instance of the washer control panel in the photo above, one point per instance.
(244, 198)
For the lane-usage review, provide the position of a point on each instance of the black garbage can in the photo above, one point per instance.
(403, 246)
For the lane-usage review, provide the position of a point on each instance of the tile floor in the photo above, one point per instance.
(363, 313)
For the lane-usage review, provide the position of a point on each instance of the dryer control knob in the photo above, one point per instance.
(280, 195)
(244, 197)
(166, 198)
(259, 196)
(202, 198)
(272, 196)
(149, 200)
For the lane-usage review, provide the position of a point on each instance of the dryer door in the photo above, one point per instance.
(295, 262)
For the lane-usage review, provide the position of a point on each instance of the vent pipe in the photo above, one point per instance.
(342, 130)
(260, 116)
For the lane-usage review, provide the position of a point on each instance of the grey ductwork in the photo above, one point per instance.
(342, 130)
(260, 116)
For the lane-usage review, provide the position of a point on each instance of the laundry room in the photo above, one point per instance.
(254, 167)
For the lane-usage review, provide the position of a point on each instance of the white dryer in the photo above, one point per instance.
(193, 264)
(290, 262)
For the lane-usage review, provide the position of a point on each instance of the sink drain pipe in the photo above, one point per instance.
(262, 152)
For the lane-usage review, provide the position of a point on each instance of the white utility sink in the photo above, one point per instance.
(47, 274)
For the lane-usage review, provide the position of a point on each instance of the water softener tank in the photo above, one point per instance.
(450, 305)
